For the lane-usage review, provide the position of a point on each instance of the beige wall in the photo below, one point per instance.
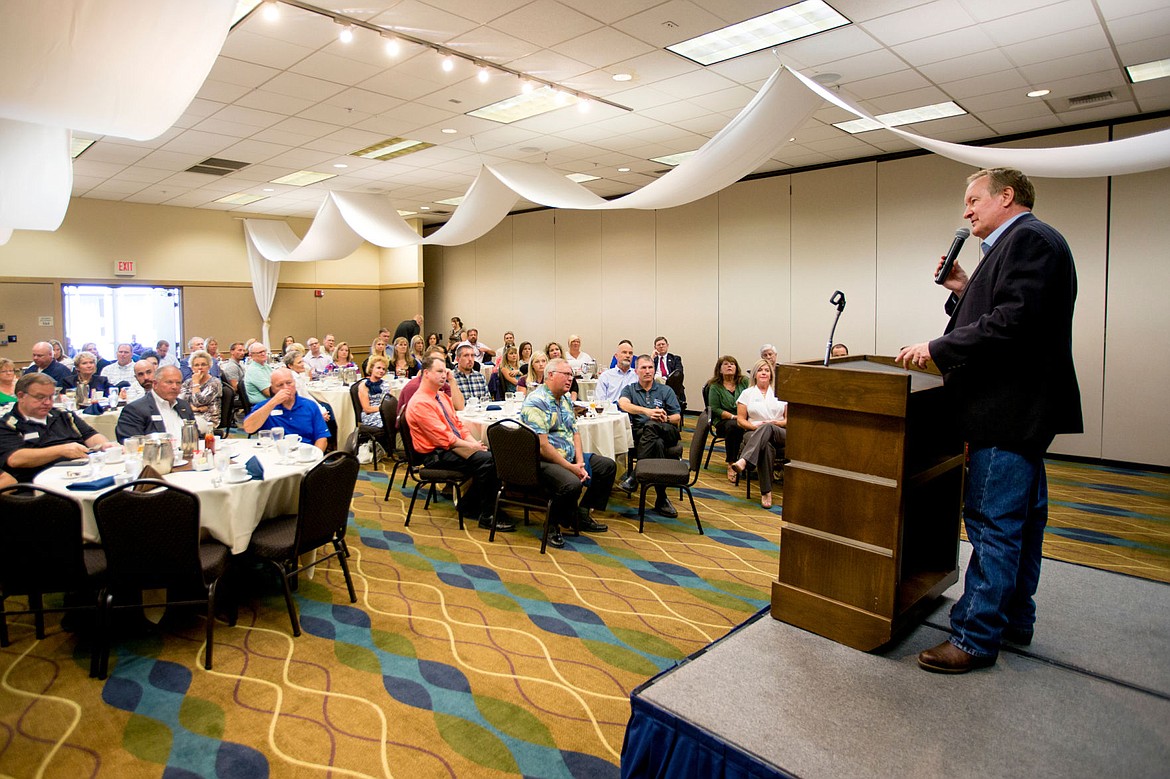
(758, 262)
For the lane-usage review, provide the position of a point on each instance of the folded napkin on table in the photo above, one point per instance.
(494, 407)
(93, 408)
(96, 484)
(255, 469)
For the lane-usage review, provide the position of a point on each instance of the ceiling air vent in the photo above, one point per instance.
(214, 166)
(1091, 100)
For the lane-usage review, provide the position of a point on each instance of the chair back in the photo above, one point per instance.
(706, 403)
(227, 405)
(242, 394)
(516, 451)
(40, 541)
(326, 494)
(389, 411)
(150, 531)
(355, 400)
(699, 440)
(412, 457)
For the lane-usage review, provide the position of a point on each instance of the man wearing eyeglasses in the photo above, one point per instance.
(566, 469)
(655, 414)
(34, 435)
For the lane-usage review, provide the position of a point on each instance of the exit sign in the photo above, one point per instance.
(124, 268)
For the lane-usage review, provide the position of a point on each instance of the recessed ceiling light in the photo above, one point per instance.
(909, 116)
(799, 20)
(424, 208)
(303, 178)
(1147, 71)
(340, 165)
(1039, 92)
(523, 106)
(240, 199)
(623, 170)
(674, 159)
(269, 189)
(622, 76)
(271, 11)
(393, 48)
(78, 145)
(391, 147)
(452, 201)
(581, 178)
(448, 64)
(346, 34)
(450, 130)
(483, 75)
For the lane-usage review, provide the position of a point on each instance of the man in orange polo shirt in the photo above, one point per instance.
(444, 442)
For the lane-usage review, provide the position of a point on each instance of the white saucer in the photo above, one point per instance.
(230, 480)
(178, 463)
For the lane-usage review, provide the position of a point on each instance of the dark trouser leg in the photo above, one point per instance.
(566, 489)
(775, 438)
(482, 469)
(732, 438)
(1004, 511)
(603, 472)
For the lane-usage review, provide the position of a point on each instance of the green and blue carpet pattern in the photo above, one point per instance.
(461, 658)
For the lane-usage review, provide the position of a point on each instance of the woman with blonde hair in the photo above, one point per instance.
(378, 348)
(7, 382)
(509, 369)
(535, 375)
(418, 349)
(763, 419)
(371, 390)
(341, 358)
(402, 364)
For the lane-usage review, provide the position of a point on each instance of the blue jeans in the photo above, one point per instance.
(1005, 511)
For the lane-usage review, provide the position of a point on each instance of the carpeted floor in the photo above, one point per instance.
(461, 658)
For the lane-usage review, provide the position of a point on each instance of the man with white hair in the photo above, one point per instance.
(258, 374)
(160, 410)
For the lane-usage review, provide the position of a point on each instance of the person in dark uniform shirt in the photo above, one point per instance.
(34, 435)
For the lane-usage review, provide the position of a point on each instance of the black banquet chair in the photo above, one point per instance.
(322, 518)
(516, 451)
(150, 531)
(377, 435)
(424, 475)
(41, 551)
(227, 407)
(674, 473)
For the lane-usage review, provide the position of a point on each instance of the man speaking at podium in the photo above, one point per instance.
(1006, 360)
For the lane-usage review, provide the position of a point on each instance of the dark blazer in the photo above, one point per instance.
(138, 418)
(97, 383)
(56, 371)
(673, 363)
(1006, 354)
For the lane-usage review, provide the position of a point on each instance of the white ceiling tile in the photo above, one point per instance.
(829, 46)
(1144, 51)
(1139, 27)
(424, 21)
(652, 67)
(233, 71)
(863, 10)
(247, 46)
(987, 10)
(604, 47)
(889, 84)
(918, 22)
(1089, 62)
(1049, 20)
(221, 91)
(331, 67)
(197, 142)
(114, 153)
(299, 85)
(670, 22)
(550, 66)
(493, 45)
(984, 84)
(545, 23)
(1064, 44)
(943, 46)
(689, 85)
(990, 61)
(263, 100)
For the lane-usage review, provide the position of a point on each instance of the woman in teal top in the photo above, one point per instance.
(725, 386)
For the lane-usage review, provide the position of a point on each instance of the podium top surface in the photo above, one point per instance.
(867, 383)
(919, 380)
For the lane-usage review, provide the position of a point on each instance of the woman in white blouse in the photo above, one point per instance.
(763, 419)
(577, 358)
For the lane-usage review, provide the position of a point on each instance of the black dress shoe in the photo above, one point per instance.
(555, 539)
(1017, 636)
(628, 484)
(587, 524)
(664, 507)
(502, 525)
(946, 658)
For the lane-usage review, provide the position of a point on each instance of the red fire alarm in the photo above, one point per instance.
(318, 293)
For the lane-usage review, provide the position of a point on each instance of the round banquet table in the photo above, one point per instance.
(607, 434)
(103, 423)
(337, 396)
(228, 513)
(584, 387)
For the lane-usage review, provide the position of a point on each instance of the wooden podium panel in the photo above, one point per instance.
(872, 499)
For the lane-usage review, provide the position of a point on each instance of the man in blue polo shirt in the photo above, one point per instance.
(288, 410)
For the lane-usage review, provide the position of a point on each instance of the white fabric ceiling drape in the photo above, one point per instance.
(780, 108)
(108, 67)
(264, 279)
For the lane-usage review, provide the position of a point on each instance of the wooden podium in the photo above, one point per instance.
(872, 499)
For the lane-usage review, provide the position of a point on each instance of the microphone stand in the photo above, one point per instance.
(838, 299)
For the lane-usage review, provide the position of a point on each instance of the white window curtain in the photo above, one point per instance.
(265, 275)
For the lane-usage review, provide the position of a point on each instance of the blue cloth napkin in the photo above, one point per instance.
(93, 408)
(494, 407)
(255, 469)
(96, 484)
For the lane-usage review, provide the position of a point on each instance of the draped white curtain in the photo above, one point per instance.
(265, 275)
(781, 107)
(109, 67)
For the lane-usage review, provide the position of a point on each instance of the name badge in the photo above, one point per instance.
(156, 417)
(31, 436)
(276, 412)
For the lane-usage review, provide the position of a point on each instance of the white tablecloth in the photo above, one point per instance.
(228, 513)
(607, 434)
(104, 423)
(584, 387)
(338, 398)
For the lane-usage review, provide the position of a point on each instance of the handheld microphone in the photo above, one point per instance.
(838, 300)
(952, 253)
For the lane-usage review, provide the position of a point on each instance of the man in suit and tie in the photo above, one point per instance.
(1007, 365)
(159, 410)
(666, 363)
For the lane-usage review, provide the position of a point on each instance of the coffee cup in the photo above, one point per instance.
(305, 453)
(114, 454)
(237, 472)
(293, 440)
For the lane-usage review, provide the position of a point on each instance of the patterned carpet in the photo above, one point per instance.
(461, 658)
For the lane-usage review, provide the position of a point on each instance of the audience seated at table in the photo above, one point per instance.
(535, 376)
(370, 392)
(92, 348)
(316, 358)
(565, 468)
(408, 328)
(341, 359)
(576, 358)
(509, 369)
(121, 373)
(144, 376)
(85, 371)
(727, 384)
(554, 351)
(401, 364)
(289, 341)
(441, 439)
(418, 350)
(34, 435)
(666, 363)
(449, 387)
(43, 362)
(470, 380)
(295, 362)
(286, 409)
(196, 344)
(764, 419)
(613, 380)
(160, 410)
(165, 357)
(257, 374)
(202, 391)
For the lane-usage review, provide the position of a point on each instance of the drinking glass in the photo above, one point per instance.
(277, 434)
(222, 461)
(282, 450)
(266, 439)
